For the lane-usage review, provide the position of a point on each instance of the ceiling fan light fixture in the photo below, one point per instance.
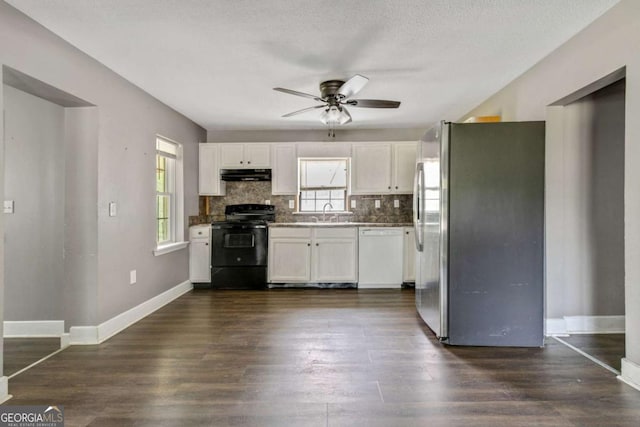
(334, 115)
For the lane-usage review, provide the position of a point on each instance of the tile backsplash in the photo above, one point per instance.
(212, 207)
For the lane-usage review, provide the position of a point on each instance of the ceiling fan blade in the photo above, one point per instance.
(372, 103)
(345, 117)
(295, 92)
(304, 110)
(352, 86)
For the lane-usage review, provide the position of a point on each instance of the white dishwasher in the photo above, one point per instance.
(380, 257)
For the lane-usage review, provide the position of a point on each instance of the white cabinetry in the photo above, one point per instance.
(324, 149)
(404, 166)
(245, 156)
(409, 255)
(284, 180)
(200, 254)
(313, 255)
(371, 168)
(209, 183)
(383, 167)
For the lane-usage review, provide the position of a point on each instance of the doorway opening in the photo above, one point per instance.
(585, 220)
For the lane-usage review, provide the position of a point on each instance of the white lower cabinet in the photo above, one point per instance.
(313, 255)
(200, 254)
(409, 255)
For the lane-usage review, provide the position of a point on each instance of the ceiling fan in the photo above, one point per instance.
(335, 96)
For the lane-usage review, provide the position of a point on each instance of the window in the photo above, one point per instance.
(169, 201)
(322, 181)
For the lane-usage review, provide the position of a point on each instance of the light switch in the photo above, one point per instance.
(8, 206)
(292, 204)
(132, 277)
(377, 204)
(353, 204)
(396, 203)
(112, 209)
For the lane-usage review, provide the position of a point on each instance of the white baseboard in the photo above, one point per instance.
(33, 328)
(378, 286)
(630, 373)
(4, 389)
(585, 325)
(555, 327)
(88, 335)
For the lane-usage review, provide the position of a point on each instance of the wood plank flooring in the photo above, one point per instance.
(316, 358)
(22, 352)
(607, 348)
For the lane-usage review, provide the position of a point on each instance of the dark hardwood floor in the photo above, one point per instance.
(607, 348)
(316, 358)
(22, 352)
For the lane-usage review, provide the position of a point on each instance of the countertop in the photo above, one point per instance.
(340, 224)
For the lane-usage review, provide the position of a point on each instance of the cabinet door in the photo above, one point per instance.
(404, 165)
(257, 156)
(409, 255)
(371, 168)
(232, 156)
(284, 180)
(199, 261)
(289, 260)
(334, 260)
(209, 183)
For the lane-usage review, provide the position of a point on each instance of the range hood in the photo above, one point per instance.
(245, 174)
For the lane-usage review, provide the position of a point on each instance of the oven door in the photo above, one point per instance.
(238, 246)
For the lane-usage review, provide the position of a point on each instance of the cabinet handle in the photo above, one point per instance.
(396, 187)
(389, 187)
(308, 244)
(249, 162)
(206, 244)
(317, 244)
(240, 161)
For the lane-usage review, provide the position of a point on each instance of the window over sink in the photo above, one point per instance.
(323, 182)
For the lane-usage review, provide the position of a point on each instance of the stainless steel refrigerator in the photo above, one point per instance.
(479, 220)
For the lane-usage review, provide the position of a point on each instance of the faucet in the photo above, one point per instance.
(324, 208)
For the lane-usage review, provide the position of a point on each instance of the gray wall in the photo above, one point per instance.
(35, 181)
(128, 120)
(81, 218)
(608, 44)
(585, 220)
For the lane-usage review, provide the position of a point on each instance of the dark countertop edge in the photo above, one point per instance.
(341, 224)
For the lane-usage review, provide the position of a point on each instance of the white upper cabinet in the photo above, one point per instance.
(284, 162)
(371, 168)
(383, 167)
(245, 156)
(209, 183)
(324, 149)
(404, 165)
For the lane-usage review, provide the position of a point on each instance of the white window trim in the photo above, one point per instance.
(347, 210)
(178, 224)
(168, 248)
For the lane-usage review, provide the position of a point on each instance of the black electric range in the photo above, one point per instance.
(239, 246)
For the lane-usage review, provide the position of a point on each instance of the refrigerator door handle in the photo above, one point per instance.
(418, 185)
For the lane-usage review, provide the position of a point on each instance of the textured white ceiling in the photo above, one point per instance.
(216, 61)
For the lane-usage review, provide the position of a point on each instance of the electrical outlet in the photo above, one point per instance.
(267, 202)
(8, 206)
(132, 277)
(113, 209)
(292, 204)
(377, 204)
(396, 203)
(353, 204)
